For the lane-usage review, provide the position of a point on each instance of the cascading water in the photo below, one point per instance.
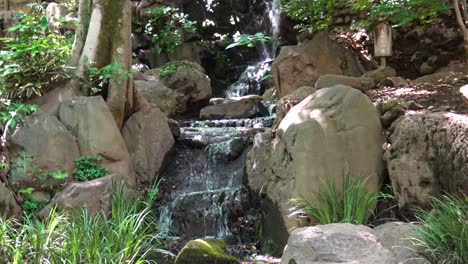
(252, 77)
(207, 173)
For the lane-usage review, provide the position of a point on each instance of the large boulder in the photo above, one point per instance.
(288, 101)
(149, 141)
(464, 92)
(332, 134)
(244, 107)
(43, 145)
(400, 238)
(302, 65)
(93, 195)
(8, 205)
(189, 81)
(157, 94)
(428, 156)
(202, 251)
(335, 243)
(360, 83)
(91, 122)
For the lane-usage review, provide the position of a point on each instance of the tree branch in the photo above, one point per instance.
(465, 12)
(460, 21)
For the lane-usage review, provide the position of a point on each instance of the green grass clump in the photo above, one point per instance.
(126, 234)
(443, 235)
(354, 204)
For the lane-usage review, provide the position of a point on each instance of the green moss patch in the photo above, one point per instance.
(387, 105)
(171, 67)
(203, 251)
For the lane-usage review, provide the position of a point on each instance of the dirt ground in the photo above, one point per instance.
(440, 96)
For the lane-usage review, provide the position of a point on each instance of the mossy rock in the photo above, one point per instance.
(205, 251)
(388, 105)
(170, 68)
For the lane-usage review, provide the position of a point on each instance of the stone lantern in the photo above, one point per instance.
(383, 42)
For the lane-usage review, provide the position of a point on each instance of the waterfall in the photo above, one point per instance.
(209, 197)
(274, 13)
(250, 81)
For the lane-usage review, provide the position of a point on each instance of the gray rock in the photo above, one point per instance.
(391, 115)
(92, 124)
(93, 195)
(288, 101)
(49, 144)
(161, 256)
(243, 108)
(380, 74)
(335, 243)
(158, 94)
(190, 84)
(400, 238)
(425, 68)
(394, 82)
(174, 125)
(428, 156)
(333, 133)
(149, 141)
(151, 58)
(188, 52)
(9, 208)
(302, 65)
(330, 80)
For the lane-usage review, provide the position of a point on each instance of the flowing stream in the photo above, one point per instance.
(209, 197)
(250, 81)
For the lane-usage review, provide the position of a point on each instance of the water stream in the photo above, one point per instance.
(207, 173)
(250, 81)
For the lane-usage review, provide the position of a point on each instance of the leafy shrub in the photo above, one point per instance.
(166, 26)
(167, 70)
(318, 13)
(33, 59)
(13, 113)
(443, 233)
(87, 168)
(310, 13)
(127, 234)
(353, 205)
(30, 205)
(402, 12)
(98, 78)
(248, 40)
(71, 5)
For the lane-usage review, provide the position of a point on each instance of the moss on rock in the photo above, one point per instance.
(203, 251)
(172, 67)
(387, 105)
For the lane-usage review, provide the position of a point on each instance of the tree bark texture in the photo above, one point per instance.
(104, 37)
(462, 20)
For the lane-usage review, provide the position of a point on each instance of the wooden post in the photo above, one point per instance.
(383, 42)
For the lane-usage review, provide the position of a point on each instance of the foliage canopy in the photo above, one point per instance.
(318, 14)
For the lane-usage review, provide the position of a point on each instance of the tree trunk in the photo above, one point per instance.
(461, 21)
(104, 37)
